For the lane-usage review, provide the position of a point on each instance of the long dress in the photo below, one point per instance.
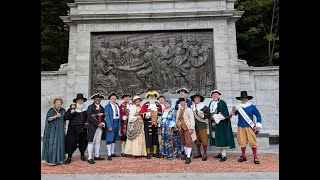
(137, 146)
(170, 141)
(53, 138)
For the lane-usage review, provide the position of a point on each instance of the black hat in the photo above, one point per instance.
(181, 99)
(79, 96)
(97, 95)
(215, 91)
(183, 89)
(125, 95)
(161, 96)
(113, 94)
(195, 95)
(244, 94)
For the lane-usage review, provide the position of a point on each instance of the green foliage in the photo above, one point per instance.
(54, 34)
(256, 41)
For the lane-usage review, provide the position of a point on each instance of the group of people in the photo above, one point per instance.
(153, 129)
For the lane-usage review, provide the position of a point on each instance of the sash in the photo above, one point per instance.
(247, 119)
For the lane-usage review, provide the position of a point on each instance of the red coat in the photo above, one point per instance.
(124, 113)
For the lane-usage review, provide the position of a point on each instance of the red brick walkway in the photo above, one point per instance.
(268, 163)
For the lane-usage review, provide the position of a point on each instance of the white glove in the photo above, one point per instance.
(148, 114)
(100, 114)
(120, 133)
(124, 118)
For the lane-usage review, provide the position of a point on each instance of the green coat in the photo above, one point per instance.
(223, 132)
(53, 138)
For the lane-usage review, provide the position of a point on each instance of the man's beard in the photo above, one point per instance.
(152, 101)
(80, 106)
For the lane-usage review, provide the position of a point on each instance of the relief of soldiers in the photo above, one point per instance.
(181, 65)
(135, 54)
(166, 65)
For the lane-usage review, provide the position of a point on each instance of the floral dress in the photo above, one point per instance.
(170, 141)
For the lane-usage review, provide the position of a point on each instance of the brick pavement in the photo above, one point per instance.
(269, 162)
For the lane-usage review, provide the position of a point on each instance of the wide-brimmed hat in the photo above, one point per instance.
(195, 95)
(161, 96)
(244, 94)
(97, 95)
(181, 99)
(183, 89)
(125, 95)
(215, 91)
(79, 96)
(113, 94)
(135, 98)
(152, 93)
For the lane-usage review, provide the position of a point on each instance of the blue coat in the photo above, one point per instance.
(251, 110)
(189, 103)
(109, 121)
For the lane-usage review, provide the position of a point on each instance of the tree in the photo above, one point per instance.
(54, 34)
(258, 31)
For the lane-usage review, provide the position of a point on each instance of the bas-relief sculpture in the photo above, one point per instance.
(141, 61)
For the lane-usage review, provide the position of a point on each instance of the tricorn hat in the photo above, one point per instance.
(152, 93)
(79, 96)
(244, 94)
(215, 91)
(97, 95)
(113, 94)
(195, 95)
(125, 95)
(183, 89)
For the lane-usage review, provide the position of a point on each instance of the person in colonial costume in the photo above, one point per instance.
(96, 124)
(150, 112)
(185, 123)
(247, 129)
(136, 142)
(77, 128)
(53, 137)
(182, 94)
(112, 111)
(201, 114)
(222, 137)
(124, 113)
(161, 99)
(170, 141)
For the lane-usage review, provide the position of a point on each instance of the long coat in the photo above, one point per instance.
(223, 132)
(53, 138)
(109, 121)
(93, 123)
(188, 118)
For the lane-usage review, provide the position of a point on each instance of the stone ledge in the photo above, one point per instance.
(264, 68)
(52, 73)
(83, 18)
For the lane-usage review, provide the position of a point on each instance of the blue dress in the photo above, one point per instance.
(170, 141)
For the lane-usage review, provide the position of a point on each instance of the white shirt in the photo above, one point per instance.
(114, 112)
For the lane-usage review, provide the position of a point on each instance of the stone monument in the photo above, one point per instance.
(134, 45)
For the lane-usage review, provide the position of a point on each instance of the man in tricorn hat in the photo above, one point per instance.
(77, 128)
(201, 114)
(222, 137)
(96, 124)
(112, 111)
(247, 129)
(150, 112)
(124, 114)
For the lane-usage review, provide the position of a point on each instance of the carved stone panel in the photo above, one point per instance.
(136, 62)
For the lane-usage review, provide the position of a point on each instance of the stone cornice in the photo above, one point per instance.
(53, 73)
(134, 1)
(82, 18)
